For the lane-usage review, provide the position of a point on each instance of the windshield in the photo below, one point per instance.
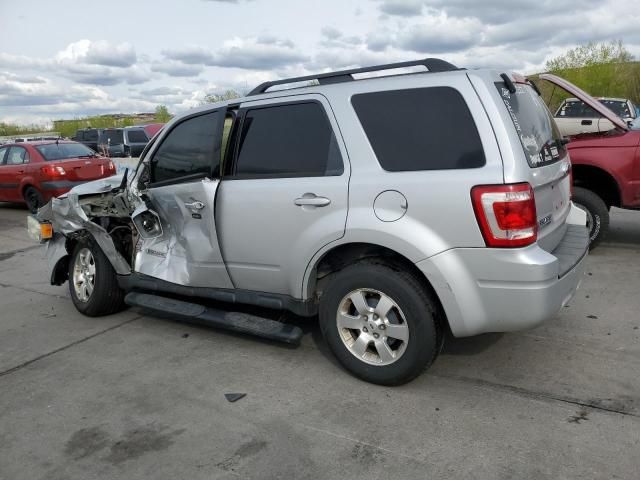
(534, 123)
(137, 136)
(114, 137)
(578, 109)
(61, 151)
(619, 107)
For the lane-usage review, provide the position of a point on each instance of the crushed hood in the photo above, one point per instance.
(586, 98)
(102, 185)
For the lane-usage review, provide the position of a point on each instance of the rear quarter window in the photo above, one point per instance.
(420, 129)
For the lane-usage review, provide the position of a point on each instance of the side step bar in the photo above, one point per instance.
(235, 321)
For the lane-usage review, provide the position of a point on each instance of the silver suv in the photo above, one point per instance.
(392, 208)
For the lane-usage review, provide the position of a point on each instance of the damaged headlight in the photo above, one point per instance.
(147, 223)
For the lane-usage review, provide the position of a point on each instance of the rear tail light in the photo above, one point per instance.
(111, 166)
(53, 171)
(506, 214)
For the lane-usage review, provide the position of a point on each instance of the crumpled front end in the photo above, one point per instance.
(96, 210)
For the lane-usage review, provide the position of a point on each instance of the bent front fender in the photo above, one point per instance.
(68, 219)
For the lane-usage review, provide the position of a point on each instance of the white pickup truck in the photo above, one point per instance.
(574, 116)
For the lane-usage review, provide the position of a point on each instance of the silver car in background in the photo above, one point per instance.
(392, 208)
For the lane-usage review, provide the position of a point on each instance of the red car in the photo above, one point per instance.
(605, 165)
(34, 172)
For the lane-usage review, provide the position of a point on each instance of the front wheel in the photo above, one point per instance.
(380, 323)
(597, 214)
(93, 283)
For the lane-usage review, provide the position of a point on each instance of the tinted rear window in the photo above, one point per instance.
(420, 129)
(534, 124)
(114, 137)
(61, 151)
(294, 140)
(137, 136)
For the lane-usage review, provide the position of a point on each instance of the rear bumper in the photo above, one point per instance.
(501, 290)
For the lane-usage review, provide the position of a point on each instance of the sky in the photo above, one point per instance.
(71, 58)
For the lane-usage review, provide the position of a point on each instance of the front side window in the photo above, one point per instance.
(3, 153)
(293, 140)
(17, 156)
(188, 149)
(420, 129)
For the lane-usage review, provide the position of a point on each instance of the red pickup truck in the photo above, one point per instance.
(605, 165)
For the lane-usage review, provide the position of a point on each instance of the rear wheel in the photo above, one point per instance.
(597, 214)
(33, 199)
(380, 323)
(92, 281)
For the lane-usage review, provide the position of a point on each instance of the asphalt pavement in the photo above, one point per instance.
(130, 396)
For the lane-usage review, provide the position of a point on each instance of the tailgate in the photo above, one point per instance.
(552, 187)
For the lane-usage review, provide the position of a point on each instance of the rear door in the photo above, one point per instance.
(184, 172)
(286, 195)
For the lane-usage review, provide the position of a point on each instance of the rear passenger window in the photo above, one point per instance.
(188, 149)
(294, 140)
(420, 129)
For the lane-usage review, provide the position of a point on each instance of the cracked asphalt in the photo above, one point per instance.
(130, 396)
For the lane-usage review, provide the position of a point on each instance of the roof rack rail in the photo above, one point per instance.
(432, 65)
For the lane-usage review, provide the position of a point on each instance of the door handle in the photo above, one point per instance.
(197, 205)
(312, 200)
(586, 122)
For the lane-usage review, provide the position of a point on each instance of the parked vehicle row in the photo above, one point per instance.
(34, 172)
(117, 142)
(394, 208)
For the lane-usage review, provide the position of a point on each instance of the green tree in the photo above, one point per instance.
(220, 97)
(604, 69)
(162, 114)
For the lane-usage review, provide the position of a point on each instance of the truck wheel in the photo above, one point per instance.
(33, 199)
(380, 323)
(597, 214)
(92, 281)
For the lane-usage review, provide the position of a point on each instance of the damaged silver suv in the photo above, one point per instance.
(393, 208)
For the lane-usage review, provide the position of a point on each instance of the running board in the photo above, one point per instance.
(234, 321)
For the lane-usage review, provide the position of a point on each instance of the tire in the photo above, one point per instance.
(407, 303)
(597, 214)
(33, 199)
(89, 266)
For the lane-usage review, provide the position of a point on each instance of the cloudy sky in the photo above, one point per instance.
(68, 58)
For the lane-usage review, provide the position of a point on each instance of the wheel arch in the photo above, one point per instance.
(599, 181)
(342, 255)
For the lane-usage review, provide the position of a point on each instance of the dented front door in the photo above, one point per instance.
(184, 169)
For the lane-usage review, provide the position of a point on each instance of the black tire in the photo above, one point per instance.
(415, 303)
(106, 297)
(597, 211)
(33, 199)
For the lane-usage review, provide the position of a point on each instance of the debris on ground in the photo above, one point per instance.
(234, 397)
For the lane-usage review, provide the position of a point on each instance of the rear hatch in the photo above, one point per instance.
(547, 161)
